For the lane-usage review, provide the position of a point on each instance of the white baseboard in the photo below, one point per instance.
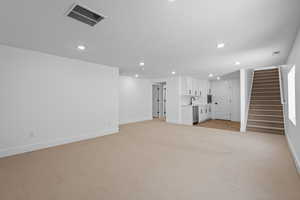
(33, 147)
(135, 120)
(293, 151)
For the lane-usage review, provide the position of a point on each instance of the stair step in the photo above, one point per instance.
(258, 83)
(266, 71)
(265, 127)
(266, 102)
(253, 97)
(266, 82)
(266, 117)
(265, 112)
(254, 90)
(267, 121)
(266, 86)
(270, 91)
(265, 124)
(266, 93)
(260, 77)
(265, 130)
(266, 107)
(265, 75)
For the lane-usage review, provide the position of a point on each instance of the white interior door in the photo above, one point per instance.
(221, 100)
(160, 101)
(155, 101)
(164, 100)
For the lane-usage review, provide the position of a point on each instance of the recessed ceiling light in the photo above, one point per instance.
(171, 0)
(218, 78)
(81, 47)
(136, 76)
(142, 64)
(276, 52)
(220, 45)
(210, 75)
(143, 68)
(173, 72)
(237, 63)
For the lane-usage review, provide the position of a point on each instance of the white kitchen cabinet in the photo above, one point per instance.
(209, 115)
(204, 113)
(183, 85)
(201, 114)
(195, 87)
(200, 88)
(187, 115)
(205, 86)
(187, 86)
(204, 92)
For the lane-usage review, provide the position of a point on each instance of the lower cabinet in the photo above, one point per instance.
(187, 115)
(187, 118)
(204, 113)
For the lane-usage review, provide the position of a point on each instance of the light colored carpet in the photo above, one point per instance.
(156, 161)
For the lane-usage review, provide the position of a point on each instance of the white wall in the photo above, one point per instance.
(227, 90)
(173, 106)
(135, 99)
(292, 131)
(47, 100)
(246, 77)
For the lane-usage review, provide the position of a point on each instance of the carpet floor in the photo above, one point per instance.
(154, 160)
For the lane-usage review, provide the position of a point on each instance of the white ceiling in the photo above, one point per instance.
(180, 36)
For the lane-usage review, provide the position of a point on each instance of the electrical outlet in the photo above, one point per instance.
(31, 134)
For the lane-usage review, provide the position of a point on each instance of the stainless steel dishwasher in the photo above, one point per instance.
(195, 115)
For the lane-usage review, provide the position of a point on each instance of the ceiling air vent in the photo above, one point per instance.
(84, 15)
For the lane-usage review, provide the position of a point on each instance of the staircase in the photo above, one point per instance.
(266, 110)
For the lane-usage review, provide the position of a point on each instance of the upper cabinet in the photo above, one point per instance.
(187, 86)
(195, 87)
(195, 90)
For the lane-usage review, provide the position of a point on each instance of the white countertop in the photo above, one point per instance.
(195, 105)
